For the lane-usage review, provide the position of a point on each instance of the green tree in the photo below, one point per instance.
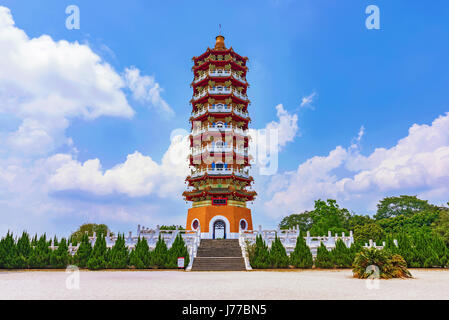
(359, 220)
(23, 251)
(118, 256)
(259, 256)
(327, 216)
(60, 257)
(341, 255)
(40, 254)
(83, 253)
(441, 225)
(355, 248)
(301, 257)
(159, 256)
(177, 250)
(8, 252)
(90, 228)
(363, 233)
(303, 220)
(323, 258)
(407, 250)
(418, 221)
(278, 255)
(98, 258)
(140, 256)
(402, 205)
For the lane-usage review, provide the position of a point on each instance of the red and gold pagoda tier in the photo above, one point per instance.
(219, 145)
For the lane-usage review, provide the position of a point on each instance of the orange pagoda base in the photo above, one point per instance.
(206, 218)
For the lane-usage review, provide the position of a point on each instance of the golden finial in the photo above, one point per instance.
(219, 44)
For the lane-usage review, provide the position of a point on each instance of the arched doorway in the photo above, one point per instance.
(219, 230)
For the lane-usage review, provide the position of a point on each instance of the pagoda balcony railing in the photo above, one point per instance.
(198, 79)
(220, 73)
(240, 95)
(221, 171)
(200, 95)
(223, 128)
(241, 113)
(236, 76)
(219, 149)
(218, 109)
(219, 90)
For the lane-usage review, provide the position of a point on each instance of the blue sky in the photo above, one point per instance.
(384, 81)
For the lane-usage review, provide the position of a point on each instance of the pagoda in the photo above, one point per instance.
(219, 159)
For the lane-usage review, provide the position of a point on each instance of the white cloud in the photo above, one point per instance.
(138, 176)
(418, 162)
(44, 83)
(266, 143)
(146, 89)
(308, 100)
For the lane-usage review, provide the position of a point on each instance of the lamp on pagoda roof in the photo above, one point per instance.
(219, 44)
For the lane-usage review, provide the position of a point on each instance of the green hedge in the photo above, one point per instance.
(36, 253)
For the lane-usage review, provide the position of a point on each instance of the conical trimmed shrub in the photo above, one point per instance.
(8, 252)
(83, 253)
(323, 258)
(259, 257)
(159, 256)
(98, 258)
(301, 257)
(40, 254)
(23, 251)
(278, 255)
(177, 250)
(139, 257)
(60, 257)
(341, 255)
(118, 257)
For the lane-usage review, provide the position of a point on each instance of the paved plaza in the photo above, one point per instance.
(310, 284)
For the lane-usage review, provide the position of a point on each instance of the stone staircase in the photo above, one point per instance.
(219, 255)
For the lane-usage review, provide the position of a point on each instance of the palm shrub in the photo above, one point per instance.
(118, 256)
(323, 258)
(177, 250)
(259, 256)
(139, 257)
(278, 256)
(301, 257)
(159, 256)
(98, 258)
(23, 251)
(389, 265)
(8, 252)
(341, 255)
(40, 253)
(60, 257)
(83, 253)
